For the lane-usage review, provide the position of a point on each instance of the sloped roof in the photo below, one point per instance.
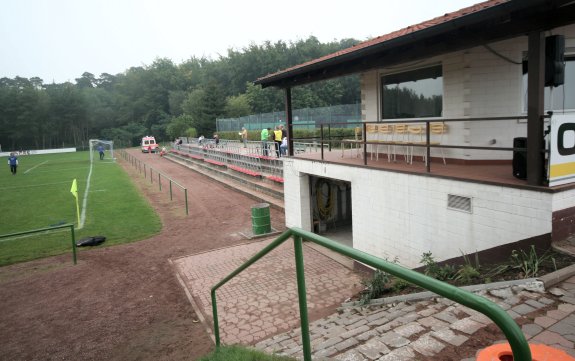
(469, 21)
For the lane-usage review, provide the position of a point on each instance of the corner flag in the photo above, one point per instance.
(74, 191)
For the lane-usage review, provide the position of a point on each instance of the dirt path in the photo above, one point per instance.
(123, 302)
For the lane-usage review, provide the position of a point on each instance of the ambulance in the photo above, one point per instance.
(149, 144)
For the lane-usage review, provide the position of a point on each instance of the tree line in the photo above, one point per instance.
(162, 99)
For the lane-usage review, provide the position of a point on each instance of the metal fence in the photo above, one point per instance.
(311, 117)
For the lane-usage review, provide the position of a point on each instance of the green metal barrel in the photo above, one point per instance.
(261, 219)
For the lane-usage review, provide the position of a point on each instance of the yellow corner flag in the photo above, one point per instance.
(74, 191)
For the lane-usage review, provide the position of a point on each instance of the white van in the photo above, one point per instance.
(149, 145)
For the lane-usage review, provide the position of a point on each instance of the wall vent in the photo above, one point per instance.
(459, 203)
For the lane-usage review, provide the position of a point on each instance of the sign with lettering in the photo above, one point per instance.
(562, 150)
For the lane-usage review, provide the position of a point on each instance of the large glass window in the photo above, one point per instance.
(413, 94)
(556, 98)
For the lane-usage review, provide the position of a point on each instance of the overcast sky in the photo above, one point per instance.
(58, 40)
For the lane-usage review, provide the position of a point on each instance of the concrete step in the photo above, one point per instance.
(259, 189)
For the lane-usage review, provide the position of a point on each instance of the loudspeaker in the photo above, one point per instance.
(520, 158)
(554, 60)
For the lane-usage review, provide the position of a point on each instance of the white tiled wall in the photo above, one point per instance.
(399, 215)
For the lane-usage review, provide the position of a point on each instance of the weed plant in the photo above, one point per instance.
(521, 264)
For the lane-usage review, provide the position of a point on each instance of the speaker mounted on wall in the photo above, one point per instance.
(554, 60)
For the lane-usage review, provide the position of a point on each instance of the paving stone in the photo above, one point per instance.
(373, 349)
(523, 309)
(354, 332)
(427, 345)
(502, 293)
(531, 329)
(555, 291)
(481, 318)
(545, 300)
(377, 316)
(449, 336)
(433, 323)
(446, 316)
(466, 325)
(349, 320)
(545, 321)
(335, 331)
(570, 300)
(409, 329)
(564, 327)
(367, 335)
(552, 338)
(328, 343)
(566, 307)
(351, 355)
(513, 314)
(324, 353)
(350, 342)
(394, 340)
(426, 312)
(446, 301)
(401, 354)
(535, 304)
(292, 351)
(378, 322)
(503, 305)
(512, 300)
(407, 318)
(556, 314)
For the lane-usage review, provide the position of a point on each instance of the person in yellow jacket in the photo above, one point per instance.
(278, 140)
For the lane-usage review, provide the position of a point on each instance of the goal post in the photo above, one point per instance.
(106, 145)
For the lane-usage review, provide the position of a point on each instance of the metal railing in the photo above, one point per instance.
(519, 345)
(231, 153)
(326, 138)
(71, 226)
(143, 168)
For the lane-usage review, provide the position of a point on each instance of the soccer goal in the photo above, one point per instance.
(106, 145)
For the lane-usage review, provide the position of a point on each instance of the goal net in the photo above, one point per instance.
(102, 150)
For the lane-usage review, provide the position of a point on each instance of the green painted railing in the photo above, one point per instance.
(71, 226)
(516, 339)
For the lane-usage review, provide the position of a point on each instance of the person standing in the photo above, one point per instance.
(244, 134)
(283, 147)
(101, 151)
(264, 136)
(278, 140)
(13, 163)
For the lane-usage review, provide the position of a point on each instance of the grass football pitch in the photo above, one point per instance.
(39, 196)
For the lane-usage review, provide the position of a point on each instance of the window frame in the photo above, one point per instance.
(429, 71)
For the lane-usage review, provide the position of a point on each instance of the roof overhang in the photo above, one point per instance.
(503, 20)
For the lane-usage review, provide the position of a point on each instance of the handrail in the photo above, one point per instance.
(364, 142)
(519, 345)
(135, 162)
(71, 226)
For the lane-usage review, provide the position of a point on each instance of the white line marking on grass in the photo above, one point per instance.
(36, 166)
(85, 200)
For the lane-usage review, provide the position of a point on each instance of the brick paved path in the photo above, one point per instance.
(425, 328)
(262, 300)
